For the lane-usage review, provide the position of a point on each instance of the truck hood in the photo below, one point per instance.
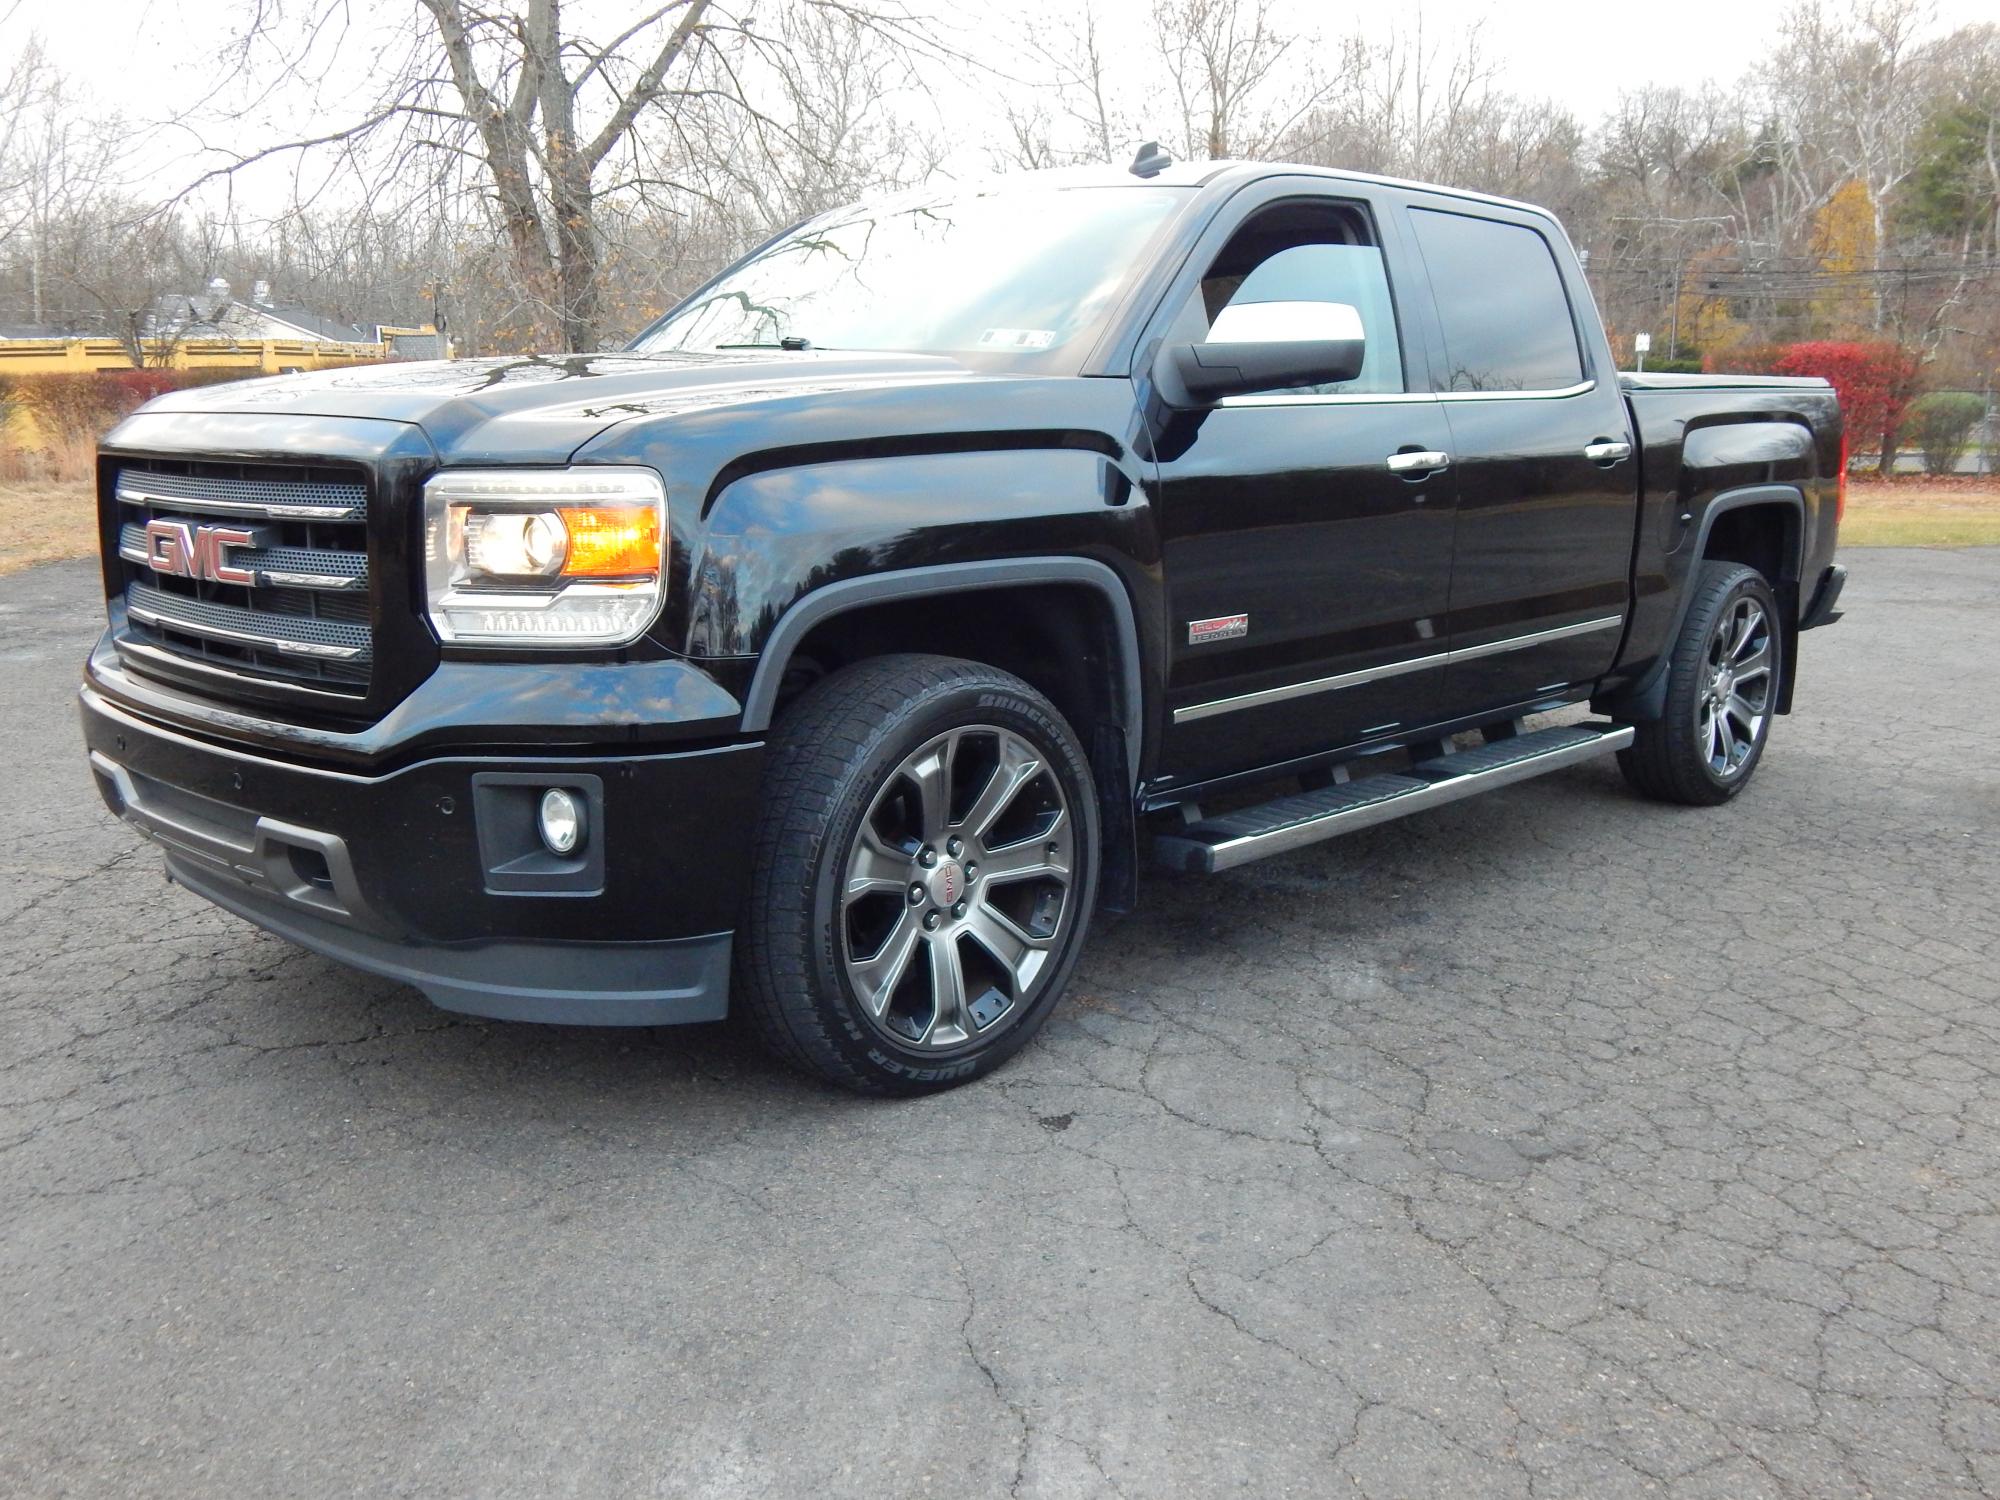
(542, 408)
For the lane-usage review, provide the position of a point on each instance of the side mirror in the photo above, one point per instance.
(1263, 346)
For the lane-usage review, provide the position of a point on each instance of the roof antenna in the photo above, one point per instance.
(1151, 161)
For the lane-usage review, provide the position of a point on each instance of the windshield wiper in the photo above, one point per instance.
(790, 341)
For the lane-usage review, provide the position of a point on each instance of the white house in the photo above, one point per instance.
(217, 313)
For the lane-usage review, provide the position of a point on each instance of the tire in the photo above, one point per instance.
(1706, 747)
(924, 868)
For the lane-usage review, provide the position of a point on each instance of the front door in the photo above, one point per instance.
(1307, 534)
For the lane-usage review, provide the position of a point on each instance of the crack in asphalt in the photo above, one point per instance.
(1552, 1144)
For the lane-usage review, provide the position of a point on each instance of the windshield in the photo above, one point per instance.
(1019, 273)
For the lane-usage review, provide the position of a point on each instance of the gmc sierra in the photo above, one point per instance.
(845, 642)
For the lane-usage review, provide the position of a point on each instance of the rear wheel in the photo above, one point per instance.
(1722, 691)
(926, 862)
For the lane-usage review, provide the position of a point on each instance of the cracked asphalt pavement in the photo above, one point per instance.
(1550, 1144)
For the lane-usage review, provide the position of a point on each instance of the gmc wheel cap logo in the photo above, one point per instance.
(188, 551)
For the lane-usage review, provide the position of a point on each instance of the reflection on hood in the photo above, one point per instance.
(471, 377)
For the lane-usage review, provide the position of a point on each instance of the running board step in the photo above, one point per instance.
(1291, 822)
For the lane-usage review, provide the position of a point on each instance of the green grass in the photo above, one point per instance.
(1907, 515)
(1920, 531)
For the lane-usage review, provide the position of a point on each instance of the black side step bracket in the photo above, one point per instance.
(1236, 838)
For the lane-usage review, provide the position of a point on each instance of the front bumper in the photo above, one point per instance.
(430, 873)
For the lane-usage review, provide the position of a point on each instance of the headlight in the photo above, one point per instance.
(544, 557)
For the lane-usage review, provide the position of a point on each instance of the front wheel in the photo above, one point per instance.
(1722, 691)
(926, 861)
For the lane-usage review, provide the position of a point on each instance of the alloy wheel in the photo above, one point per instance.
(958, 889)
(1735, 698)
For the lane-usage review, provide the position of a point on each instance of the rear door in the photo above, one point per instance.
(1307, 565)
(1542, 452)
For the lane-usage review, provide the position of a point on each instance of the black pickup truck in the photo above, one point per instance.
(853, 637)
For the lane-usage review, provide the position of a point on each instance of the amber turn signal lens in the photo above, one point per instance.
(611, 542)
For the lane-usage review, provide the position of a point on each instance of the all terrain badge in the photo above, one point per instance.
(1221, 628)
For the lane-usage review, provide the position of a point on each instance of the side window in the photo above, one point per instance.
(1500, 300)
(1305, 252)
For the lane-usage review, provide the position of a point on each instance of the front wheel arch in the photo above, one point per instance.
(1064, 625)
(825, 604)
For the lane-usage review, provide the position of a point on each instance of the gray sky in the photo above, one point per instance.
(150, 57)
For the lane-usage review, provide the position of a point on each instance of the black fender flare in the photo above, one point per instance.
(1647, 698)
(792, 627)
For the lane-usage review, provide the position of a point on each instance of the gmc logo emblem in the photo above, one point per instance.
(189, 551)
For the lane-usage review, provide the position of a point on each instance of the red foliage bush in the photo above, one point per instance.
(1876, 383)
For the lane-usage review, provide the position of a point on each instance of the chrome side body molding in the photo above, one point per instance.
(1290, 690)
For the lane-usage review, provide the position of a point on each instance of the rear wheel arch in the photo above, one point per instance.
(1719, 691)
(1762, 527)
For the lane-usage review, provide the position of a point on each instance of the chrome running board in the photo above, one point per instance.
(1236, 838)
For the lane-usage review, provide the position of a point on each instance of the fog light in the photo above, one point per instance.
(561, 821)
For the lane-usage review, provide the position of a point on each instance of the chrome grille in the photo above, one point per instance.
(223, 494)
(291, 634)
(303, 620)
(276, 567)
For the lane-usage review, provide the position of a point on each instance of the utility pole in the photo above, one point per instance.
(1986, 448)
(1674, 311)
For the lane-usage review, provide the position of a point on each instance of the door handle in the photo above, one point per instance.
(1607, 453)
(1410, 463)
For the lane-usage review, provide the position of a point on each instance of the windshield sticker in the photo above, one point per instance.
(1017, 338)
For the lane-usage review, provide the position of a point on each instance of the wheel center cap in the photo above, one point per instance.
(947, 883)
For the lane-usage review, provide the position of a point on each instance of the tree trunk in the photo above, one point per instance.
(504, 134)
(533, 264)
(131, 327)
(578, 294)
(568, 172)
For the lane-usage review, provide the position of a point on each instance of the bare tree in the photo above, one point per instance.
(823, 129)
(1412, 104)
(1665, 161)
(1850, 94)
(1667, 151)
(70, 235)
(555, 171)
(556, 127)
(1227, 64)
(1069, 109)
(131, 274)
(24, 88)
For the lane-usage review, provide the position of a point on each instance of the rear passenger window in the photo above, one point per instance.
(1500, 299)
